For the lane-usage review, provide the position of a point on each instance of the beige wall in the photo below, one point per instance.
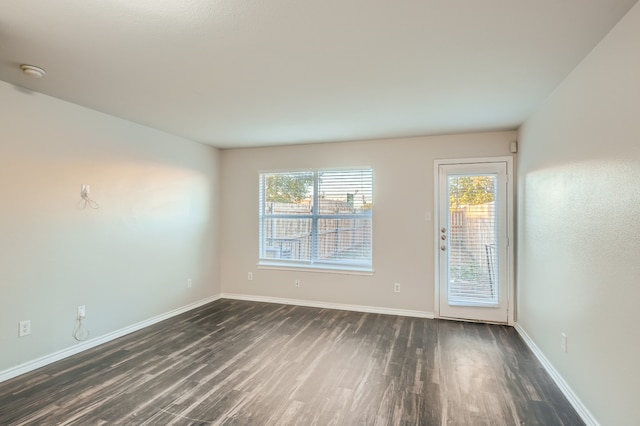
(403, 240)
(127, 261)
(579, 226)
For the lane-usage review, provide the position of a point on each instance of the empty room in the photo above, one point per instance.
(350, 212)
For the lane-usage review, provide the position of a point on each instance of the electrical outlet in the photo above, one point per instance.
(297, 283)
(396, 287)
(563, 338)
(24, 328)
(250, 276)
(82, 312)
(189, 282)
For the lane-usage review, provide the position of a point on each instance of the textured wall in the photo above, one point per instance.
(126, 261)
(579, 226)
(403, 240)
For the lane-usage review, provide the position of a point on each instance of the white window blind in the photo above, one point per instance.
(473, 238)
(317, 218)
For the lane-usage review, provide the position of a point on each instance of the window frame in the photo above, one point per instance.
(314, 263)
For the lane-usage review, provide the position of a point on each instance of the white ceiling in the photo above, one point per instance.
(235, 73)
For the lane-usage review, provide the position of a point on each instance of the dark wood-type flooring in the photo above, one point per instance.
(245, 363)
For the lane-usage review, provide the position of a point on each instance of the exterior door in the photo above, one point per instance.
(473, 264)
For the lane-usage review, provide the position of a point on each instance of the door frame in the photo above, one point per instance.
(510, 229)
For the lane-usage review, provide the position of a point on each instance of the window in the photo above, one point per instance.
(318, 219)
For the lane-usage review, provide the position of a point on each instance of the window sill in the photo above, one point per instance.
(314, 268)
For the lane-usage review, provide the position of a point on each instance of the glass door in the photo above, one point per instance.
(472, 237)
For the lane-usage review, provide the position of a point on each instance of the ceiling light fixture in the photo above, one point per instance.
(32, 71)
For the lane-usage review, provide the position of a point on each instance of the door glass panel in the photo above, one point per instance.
(473, 238)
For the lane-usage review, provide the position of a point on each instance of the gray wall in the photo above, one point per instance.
(127, 261)
(579, 226)
(403, 240)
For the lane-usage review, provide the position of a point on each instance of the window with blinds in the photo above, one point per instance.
(320, 218)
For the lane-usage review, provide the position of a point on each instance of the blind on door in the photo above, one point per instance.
(473, 238)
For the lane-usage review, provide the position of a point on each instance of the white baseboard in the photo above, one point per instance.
(577, 404)
(327, 305)
(88, 344)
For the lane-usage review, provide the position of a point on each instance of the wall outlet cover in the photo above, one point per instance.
(24, 328)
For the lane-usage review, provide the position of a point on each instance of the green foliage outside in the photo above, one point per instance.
(288, 188)
(471, 190)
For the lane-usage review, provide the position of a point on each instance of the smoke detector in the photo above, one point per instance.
(32, 71)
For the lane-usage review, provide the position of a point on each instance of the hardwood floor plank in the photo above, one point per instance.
(245, 363)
